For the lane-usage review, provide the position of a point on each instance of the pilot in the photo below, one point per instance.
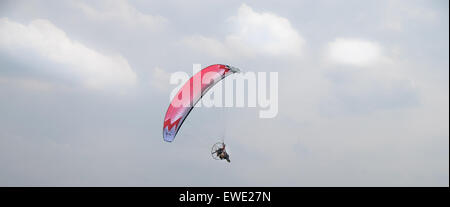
(222, 153)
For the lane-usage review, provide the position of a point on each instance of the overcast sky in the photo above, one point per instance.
(363, 93)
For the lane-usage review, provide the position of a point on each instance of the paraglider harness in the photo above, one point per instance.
(218, 152)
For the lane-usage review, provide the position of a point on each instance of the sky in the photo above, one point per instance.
(363, 93)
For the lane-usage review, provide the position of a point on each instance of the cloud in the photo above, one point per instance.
(400, 15)
(353, 51)
(120, 11)
(384, 124)
(160, 79)
(27, 84)
(382, 85)
(212, 46)
(75, 60)
(253, 34)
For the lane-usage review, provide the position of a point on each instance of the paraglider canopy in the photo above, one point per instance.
(188, 95)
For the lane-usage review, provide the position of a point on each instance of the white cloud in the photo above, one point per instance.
(383, 125)
(254, 34)
(353, 51)
(160, 79)
(77, 61)
(212, 46)
(399, 15)
(120, 11)
(27, 84)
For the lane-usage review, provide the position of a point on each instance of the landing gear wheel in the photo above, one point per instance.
(214, 149)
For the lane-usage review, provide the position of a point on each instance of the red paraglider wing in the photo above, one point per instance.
(191, 92)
